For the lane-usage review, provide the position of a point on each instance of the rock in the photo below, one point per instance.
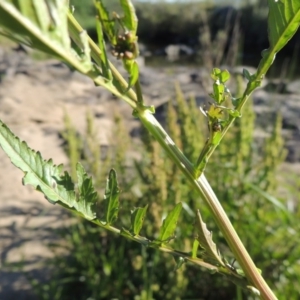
(294, 87)
(175, 51)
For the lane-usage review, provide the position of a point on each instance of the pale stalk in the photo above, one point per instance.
(200, 184)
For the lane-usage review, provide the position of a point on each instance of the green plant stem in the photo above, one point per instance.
(145, 242)
(251, 86)
(200, 184)
(139, 93)
(206, 192)
(255, 82)
(75, 29)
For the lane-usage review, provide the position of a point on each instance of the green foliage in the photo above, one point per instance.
(160, 181)
(137, 219)
(169, 225)
(205, 241)
(111, 198)
(47, 178)
(284, 21)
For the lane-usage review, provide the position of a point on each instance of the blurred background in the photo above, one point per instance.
(48, 254)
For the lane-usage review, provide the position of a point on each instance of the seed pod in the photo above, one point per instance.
(217, 127)
(114, 53)
(128, 36)
(128, 55)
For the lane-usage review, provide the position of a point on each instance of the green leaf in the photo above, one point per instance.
(88, 197)
(215, 112)
(107, 24)
(133, 71)
(215, 73)
(269, 197)
(283, 22)
(218, 92)
(234, 113)
(104, 60)
(111, 197)
(137, 219)
(179, 262)
(169, 224)
(195, 248)
(205, 240)
(246, 74)
(130, 19)
(47, 178)
(224, 76)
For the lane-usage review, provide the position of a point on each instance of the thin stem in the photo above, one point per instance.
(139, 93)
(206, 192)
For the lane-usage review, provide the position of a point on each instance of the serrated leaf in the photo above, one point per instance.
(111, 197)
(206, 242)
(169, 224)
(137, 219)
(47, 178)
(283, 22)
(88, 197)
(107, 24)
(130, 19)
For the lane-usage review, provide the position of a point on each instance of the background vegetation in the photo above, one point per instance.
(94, 264)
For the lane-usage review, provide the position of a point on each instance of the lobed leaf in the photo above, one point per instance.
(88, 197)
(137, 219)
(111, 197)
(205, 240)
(169, 224)
(47, 178)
